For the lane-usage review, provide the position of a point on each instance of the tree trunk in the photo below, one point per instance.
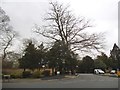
(24, 70)
(53, 73)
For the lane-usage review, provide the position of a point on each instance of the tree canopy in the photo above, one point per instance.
(7, 34)
(61, 59)
(86, 65)
(64, 26)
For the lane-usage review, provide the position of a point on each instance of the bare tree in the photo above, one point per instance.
(64, 26)
(7, 40)
(4, 19)
(7, 34)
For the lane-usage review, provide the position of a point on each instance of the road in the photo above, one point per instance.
(81, 81)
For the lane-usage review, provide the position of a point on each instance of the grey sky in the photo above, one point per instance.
(102, 13)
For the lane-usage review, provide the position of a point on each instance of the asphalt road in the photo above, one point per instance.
(81, 81)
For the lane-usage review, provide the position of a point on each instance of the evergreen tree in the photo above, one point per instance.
(29, 59)
(41, 56)
(87, 65)
(99, 64)
(115, 56)
(103, 61)
(60, 58)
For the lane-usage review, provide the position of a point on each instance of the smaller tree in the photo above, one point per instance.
(55, 57)
(29, 59)
(104, 60)
(41, 56)
(113, 63)
(87, 65)
(22, 63)
(71, 62)
(99, 64)
(61, 58)
(115, 56)
(11, 59)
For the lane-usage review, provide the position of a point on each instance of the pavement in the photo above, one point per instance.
(110, 75)
(80, 81)
(51, 78)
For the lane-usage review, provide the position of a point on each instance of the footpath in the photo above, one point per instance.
(51, 78)
(110, 75)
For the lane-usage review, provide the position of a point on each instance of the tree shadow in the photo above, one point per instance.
(53, 77)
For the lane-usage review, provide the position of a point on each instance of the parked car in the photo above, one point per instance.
(112, 71)
(98, 71)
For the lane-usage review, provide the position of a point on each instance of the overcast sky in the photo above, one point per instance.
(102, 13)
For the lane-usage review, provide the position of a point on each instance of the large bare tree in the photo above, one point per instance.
(7, 34)
(64, 26)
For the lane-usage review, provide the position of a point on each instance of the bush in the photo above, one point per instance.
(36, 74)
(46, 73)
(26, 74)
(16, 75)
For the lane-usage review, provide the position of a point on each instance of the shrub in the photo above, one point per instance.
(26, 74)
(36, 74)
(13, 76)
(16, 75)
(46, 73)
(118, 74)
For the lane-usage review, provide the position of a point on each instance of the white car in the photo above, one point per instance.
(98, 71)
(112, 72)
